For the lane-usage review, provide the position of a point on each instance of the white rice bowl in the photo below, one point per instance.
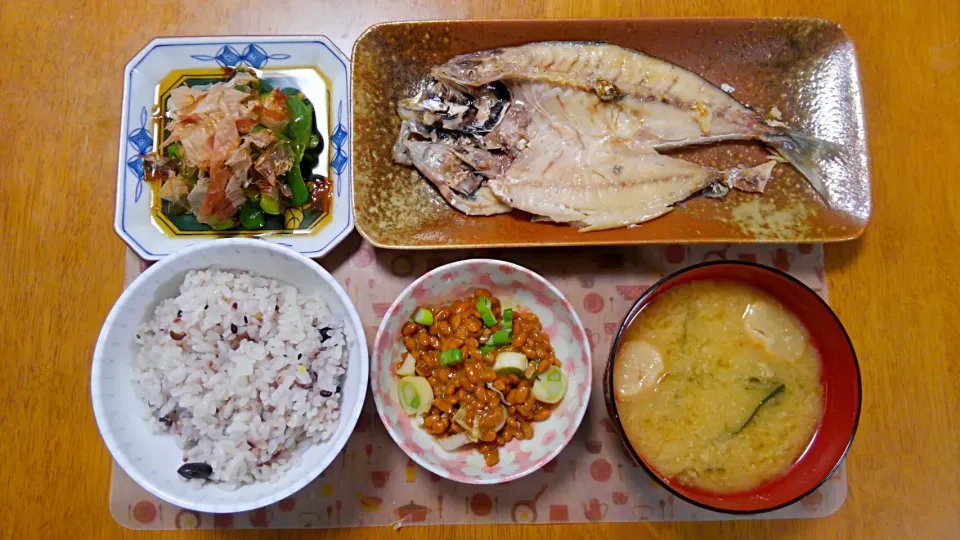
(238, 354)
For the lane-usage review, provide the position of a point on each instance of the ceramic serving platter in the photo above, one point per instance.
(804, 68)
(312, 64)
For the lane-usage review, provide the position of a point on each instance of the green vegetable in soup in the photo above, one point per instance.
(759, 392)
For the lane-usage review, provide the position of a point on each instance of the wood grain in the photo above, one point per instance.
(897, 288)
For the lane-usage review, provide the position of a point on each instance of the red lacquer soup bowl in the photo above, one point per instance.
(840, 379)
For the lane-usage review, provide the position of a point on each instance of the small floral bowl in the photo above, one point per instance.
(516, 287)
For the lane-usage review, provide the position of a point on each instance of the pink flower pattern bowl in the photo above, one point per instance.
(516, 287)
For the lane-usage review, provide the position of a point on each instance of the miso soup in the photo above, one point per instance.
(718, 386)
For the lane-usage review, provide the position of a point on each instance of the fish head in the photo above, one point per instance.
(471, 69)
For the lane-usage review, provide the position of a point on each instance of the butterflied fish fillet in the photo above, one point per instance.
(571, 131)
(601, 186)
(653, 100)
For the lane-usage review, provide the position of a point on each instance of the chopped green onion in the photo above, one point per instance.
(408, 367)
(508, 320)
(416, 395)
(461, 418)
(500, 337)
(486, 349)
(450, 357)
(553, 375)
(510, 362)
(550, 386)
(423, 316)
(485, 307)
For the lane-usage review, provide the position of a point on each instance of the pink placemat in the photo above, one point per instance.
(373, 483)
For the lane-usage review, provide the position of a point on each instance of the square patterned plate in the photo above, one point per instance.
(806, 68)
(313, 64)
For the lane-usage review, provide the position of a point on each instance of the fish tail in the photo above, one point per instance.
(804, 152)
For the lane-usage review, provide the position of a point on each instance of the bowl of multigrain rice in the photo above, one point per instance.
(229, 375)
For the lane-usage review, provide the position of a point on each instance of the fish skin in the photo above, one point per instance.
(580, 136)
(658, 83)
(439, 163)
(630, 117)
(671, 107)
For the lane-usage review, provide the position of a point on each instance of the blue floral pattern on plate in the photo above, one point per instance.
(339, 139)
(142, 142)
(253, 56)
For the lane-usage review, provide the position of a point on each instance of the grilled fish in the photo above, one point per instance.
(571, 131)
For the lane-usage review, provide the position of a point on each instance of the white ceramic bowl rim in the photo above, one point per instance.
(337, 442)
(578, 418)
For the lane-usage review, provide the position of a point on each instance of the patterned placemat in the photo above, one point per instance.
(373, 483)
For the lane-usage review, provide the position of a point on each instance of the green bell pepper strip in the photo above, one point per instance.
(251, 217)
(298, 188)
(299, 129)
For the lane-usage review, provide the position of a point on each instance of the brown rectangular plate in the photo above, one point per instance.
(806, 68)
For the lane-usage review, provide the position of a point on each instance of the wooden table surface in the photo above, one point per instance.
(897, 288)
